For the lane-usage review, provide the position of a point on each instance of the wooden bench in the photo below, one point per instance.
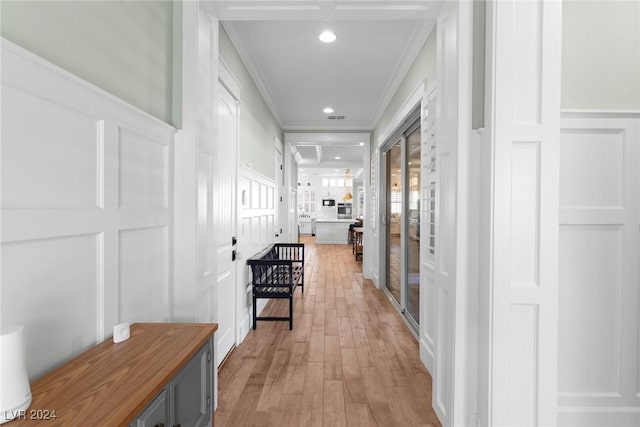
(275, 273)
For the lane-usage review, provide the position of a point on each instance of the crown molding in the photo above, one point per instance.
(315, 126)
(313, 10)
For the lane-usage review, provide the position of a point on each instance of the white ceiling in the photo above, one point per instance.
(356, 75)
(298, 75)
(302, 75)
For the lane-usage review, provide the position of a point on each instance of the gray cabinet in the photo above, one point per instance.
(156, 414)
(187, 400)
(190, 392)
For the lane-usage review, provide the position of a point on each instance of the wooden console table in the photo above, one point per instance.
(112, 384)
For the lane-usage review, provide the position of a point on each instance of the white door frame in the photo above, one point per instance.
(199, 74)
(233, 86)
(279, 203)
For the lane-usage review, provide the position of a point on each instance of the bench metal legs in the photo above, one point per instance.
(255, 315)
(291, 313)
(255, 309)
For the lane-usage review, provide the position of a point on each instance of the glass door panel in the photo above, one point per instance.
(393, 217)
(413, 185)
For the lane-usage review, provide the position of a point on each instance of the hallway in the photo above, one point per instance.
(350, 359)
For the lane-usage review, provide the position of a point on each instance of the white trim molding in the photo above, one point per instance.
(229, 80)
(409, 104)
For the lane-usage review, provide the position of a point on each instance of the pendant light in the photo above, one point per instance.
(348, 197)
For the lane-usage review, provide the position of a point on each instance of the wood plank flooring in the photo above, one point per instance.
(349, 361)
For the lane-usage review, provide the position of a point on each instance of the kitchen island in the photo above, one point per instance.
(332, 231)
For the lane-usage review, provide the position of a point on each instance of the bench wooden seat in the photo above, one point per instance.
(275, 273)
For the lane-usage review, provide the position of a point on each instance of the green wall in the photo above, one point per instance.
(123, 47)
(601, 55)
(423, 67)
(258, 127)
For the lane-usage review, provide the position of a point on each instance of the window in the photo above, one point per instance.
(325, 182)
(396, 202)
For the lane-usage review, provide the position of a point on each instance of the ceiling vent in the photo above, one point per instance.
(335, 117)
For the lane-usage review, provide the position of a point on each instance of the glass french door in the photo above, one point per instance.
(393, 218)
(402, 220)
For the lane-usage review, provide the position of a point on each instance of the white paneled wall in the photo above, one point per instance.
(256, 231)
(523, 120)
(598, 325)
(86, 202)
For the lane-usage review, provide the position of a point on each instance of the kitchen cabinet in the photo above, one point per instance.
(332, 231)
(306, 228)
(306, 202)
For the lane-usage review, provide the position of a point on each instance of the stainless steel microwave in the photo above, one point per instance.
(328, 202)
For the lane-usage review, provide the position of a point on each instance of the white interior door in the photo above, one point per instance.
(279, 175)
(206, 155)
(225, 186)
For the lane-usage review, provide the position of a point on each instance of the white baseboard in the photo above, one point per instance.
(374, 278)
(599, 416)
(243, 328)
(426, 356)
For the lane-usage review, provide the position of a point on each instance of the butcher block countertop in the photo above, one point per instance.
(110, 384)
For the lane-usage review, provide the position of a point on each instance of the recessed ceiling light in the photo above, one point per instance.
(327, 37)
(337, 157)
(409, 163)
(328, 110)
(361, 144)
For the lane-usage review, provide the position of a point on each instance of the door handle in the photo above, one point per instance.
(233, 255)
(234, 241)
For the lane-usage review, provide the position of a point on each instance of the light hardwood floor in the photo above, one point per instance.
(350, 359)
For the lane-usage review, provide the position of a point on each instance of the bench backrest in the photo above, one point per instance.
(274, 264)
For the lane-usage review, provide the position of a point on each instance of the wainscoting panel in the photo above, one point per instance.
(523, 364)
(525, 214)
(144, 171)
(52, 286)
(256, 231)
(56, 163)
(589, 318)
(598, 325)
(86, 210)
(585, 182)
(143, 275)
(527, 57)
